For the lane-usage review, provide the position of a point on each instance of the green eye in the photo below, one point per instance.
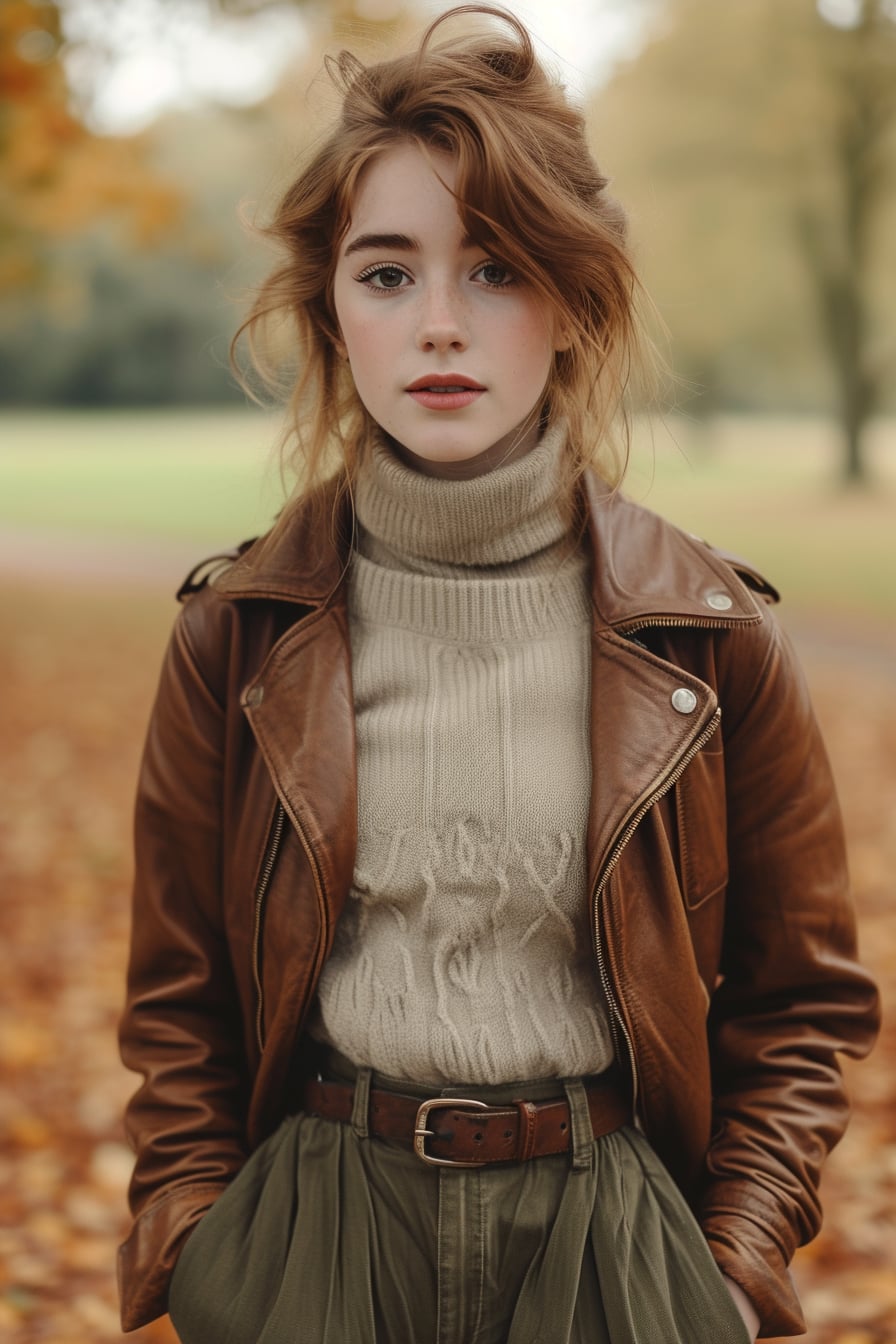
(493, 273)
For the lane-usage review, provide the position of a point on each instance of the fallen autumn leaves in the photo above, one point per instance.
(77, 669)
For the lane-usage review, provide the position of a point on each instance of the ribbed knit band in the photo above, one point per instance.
(471, 611)
(503, 516)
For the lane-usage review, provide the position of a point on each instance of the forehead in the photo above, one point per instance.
(404, 190)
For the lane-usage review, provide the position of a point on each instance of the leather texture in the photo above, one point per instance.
(722, 923)
(515, 1133)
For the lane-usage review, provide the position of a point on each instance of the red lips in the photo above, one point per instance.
(444, 380)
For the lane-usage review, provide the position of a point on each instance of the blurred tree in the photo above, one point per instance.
(55, 176)
(758, 141)
(836, 222)
(122, 323)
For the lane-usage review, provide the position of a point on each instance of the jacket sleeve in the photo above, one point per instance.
(180, 1029)
(792, 994)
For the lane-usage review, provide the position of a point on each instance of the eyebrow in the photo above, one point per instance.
(393, 242)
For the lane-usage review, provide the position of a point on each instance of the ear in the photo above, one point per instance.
(562, 340)
(561, 337)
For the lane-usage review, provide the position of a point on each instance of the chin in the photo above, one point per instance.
(449, 456)
(439, 453)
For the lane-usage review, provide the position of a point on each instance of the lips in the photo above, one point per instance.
(445, 391)
(445, 382)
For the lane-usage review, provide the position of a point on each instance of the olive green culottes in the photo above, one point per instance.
(328, 1236)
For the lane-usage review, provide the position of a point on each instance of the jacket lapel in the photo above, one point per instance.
(300, 707)
(647, 714)
(638, 738)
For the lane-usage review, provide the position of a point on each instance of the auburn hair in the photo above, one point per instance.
(528, 192)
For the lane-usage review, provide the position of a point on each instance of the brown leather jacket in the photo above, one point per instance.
(722, 926)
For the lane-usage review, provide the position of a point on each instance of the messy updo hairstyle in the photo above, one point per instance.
(528, 192)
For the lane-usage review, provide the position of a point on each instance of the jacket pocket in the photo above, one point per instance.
(702, 827)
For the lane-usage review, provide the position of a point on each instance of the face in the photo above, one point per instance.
(449, 351)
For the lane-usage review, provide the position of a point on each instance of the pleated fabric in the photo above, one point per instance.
(330, 1237)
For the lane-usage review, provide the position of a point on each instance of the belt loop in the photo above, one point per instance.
(361, 1104)
(526, 1145)
(582, 1132)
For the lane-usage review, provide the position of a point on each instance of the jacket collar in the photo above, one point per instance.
(649, 572)
(646, 571)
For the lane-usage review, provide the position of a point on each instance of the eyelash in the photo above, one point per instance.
(490, 284)
(370, 271)
(379, 267)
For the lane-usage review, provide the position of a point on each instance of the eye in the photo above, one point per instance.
(494, 275)
(383, 277)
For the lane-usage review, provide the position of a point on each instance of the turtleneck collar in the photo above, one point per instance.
(425, 523)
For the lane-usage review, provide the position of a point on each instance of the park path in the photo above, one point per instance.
(77, 558)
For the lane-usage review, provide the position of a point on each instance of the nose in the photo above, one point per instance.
(443, 321)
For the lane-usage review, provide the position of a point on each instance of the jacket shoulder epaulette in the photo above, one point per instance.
(211, 568)
(747, 573)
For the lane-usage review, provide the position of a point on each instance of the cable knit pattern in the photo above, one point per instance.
(464, 953)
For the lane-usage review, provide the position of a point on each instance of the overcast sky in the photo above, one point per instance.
(185, 59)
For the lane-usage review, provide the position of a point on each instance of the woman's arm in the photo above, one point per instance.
(181, 1025)
(792, 993)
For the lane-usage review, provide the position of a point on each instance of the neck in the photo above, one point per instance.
(508, 449)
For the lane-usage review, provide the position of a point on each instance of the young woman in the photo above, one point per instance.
(491, 945)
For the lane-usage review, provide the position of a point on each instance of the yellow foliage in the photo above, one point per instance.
(56, 177)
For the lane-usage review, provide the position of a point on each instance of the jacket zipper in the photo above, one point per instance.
(278, 826)
(275, 835)
(617, 1022)
(688, 622)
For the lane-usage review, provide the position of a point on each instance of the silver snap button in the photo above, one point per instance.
(684, 701)
(719, 602)
(254, 696)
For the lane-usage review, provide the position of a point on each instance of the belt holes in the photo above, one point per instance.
(478, 1137)
(562, 1124)
(508, 1133)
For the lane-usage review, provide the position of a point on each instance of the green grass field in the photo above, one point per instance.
(764, 488)
(187, 474)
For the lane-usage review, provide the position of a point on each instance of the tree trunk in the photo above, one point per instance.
(835, 244)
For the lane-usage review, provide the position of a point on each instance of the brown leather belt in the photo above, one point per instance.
(456, 1132)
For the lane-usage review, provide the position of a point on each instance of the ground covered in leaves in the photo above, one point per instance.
(77, 670)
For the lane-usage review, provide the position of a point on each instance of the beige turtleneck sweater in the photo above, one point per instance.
(464, 953)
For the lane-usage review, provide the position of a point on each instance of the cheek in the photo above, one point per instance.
(364, 335)
(535, 348)
(349, 315)
(534, 330)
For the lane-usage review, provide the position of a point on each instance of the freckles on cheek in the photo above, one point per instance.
(365, 338)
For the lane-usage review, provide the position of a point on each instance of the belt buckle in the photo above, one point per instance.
(421, 1133)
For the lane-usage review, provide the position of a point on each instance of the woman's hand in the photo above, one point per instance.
(744, 1306)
